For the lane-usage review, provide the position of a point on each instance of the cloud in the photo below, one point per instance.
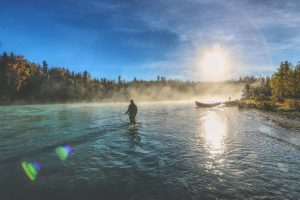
(161, 36)
(258, 32)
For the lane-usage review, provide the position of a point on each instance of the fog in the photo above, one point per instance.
(205, 92)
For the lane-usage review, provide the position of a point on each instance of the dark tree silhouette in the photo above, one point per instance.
(24, 81)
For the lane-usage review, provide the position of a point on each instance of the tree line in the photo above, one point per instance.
(283, 84)
(25, 81)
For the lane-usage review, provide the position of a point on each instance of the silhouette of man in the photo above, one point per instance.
(132, 111)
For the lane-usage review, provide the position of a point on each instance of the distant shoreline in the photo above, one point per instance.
(19, 103)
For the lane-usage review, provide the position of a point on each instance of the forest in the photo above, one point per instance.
(280, 92)
(283, 84)
(22, 81)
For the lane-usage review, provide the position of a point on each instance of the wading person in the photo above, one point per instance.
(132, 111)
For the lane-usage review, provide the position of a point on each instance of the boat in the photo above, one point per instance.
(206, 105)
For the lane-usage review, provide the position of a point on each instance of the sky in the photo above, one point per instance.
(144, 39)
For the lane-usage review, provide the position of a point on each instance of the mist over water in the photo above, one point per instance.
(214, 91)
(175, 152)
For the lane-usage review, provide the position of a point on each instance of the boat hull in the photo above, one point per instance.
(206, 105)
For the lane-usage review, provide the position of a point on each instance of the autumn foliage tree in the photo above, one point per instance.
(284, 84)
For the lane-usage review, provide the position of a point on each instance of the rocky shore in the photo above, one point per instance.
(287, 116)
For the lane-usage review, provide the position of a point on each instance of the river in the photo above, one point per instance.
(176, 151)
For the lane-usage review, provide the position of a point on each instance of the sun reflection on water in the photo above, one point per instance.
(214, 130)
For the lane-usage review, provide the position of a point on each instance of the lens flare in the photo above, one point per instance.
(37, 165)
(63, 152)
(31, 169)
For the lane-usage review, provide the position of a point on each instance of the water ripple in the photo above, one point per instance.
(175, 152)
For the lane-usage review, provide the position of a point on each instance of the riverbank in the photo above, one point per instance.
(289, 120)
(285, 114)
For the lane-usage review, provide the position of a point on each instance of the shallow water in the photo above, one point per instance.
(175, 152)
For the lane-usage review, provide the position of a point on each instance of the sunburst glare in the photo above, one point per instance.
(214, 62)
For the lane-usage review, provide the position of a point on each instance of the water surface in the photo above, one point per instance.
(175, 152)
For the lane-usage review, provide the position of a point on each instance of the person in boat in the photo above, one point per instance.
(132, 111)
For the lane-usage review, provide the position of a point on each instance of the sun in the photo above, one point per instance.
(214, 63)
